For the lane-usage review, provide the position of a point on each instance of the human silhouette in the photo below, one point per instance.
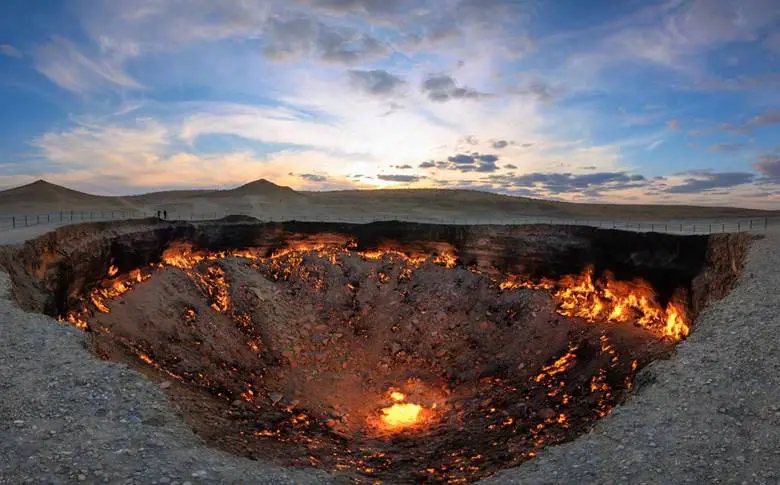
(165, 215)
(158, 214)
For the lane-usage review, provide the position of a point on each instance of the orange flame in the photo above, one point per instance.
(610, 300)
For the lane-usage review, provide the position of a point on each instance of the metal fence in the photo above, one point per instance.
(686, 226)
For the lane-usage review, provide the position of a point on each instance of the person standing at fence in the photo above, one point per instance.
(165, 215)
(158, 214)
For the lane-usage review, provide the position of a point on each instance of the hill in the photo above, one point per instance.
(265, 199)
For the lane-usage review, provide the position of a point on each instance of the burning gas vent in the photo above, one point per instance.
(385, 363)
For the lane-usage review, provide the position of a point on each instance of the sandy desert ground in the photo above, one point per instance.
(266, 200)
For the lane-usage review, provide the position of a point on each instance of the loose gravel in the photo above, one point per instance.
(711, 414)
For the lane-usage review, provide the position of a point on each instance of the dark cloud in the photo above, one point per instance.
(313, 177)
(567, 182)
(377, 81)
(539, 90)
(527, 145)
(299, 36)
(403, 167)
(727, 147)
(400, 178)
(475, 162)
(769, 166)
(501, 144)
(473, 158)
(471, 140)
(510, 166)
(441, 88)
(427, 164)
(702, 181)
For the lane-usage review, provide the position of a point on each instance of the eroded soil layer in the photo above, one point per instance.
(295, 357)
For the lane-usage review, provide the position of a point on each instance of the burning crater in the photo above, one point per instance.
(394, 352)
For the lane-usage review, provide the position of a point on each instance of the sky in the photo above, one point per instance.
(627, 101)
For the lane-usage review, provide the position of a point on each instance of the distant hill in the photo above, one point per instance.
(44, 196)
(263, 198)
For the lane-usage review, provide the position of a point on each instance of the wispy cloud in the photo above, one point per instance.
(10, 51)
(65, 65)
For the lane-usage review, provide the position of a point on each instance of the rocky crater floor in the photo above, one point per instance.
(290, 360)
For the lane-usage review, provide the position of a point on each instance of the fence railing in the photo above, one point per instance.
(682, 226)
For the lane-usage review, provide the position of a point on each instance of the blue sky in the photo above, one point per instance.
(617, 101)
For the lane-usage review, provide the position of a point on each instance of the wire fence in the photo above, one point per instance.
(682, 226)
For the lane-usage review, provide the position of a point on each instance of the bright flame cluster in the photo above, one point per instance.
(607, 299)
(401, 414)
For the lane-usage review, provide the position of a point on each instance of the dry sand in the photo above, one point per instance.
(265, 200)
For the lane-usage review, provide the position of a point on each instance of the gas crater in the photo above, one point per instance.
(388, 351)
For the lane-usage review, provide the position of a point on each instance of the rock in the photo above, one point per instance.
(166, 384)
(547, 413)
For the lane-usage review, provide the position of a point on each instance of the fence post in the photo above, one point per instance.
(38, 219)
(25, 221)
(723, 228)
(751, 224)
(766, 222)
(13, 221)
(48, 217)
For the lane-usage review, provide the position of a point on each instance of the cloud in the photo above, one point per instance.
(376, 82)
(673, 125)
(727, 147)
(771, 117)
(310, 177)
(769, 166)
(427, 164)
(702, 181)
(371, 8)
(510, 166)
(442, 87)
(299, 36)
(66, 66)
(500, 144)
(403, 167)
(400, 178)
(475, 162)
(559, 183)
(471, 140)
(10, 51)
